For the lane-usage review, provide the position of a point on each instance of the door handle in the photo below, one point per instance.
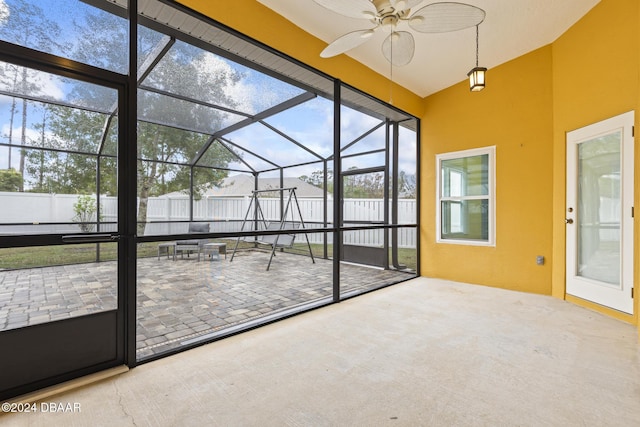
(569, 220)
(90, 238)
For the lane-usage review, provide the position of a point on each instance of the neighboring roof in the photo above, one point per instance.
(243, 185)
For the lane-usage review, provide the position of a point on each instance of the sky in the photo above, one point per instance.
(311, 123)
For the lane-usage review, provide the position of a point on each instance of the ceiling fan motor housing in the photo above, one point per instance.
(387, 14)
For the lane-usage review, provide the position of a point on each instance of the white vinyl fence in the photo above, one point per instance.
(33, 213)
(29, 213)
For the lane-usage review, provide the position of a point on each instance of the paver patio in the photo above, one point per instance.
(184, 300)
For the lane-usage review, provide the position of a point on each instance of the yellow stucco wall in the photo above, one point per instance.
(253, 19)
(514, 114)
(588, 74)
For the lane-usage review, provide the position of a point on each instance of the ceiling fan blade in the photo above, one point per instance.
(346, 42)
(398, 48)
(445, 17)
(405, 4)
(352, 8)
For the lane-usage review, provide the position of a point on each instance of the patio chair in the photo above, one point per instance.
(279, 241)
(192, 245)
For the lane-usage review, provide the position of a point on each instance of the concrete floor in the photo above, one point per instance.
(421, 353)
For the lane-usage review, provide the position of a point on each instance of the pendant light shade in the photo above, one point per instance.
(477, 79)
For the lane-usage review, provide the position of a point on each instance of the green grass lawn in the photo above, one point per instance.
(41, 256)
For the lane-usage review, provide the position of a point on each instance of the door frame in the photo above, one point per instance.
(365, 254)
(600, 294)
(88, 352)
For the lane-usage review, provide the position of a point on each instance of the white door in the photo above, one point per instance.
(599, 213)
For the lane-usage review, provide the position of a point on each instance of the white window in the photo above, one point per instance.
(466, 197)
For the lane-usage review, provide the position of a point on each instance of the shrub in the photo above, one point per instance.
(86, 211)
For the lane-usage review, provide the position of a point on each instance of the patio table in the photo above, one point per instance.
(169, 248)
(215, 248)
(188, 248)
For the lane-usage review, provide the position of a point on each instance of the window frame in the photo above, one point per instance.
(490, 196)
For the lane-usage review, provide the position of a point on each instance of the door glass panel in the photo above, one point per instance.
(599, 212)
(57, 177)
(47, 283)
(54, 139)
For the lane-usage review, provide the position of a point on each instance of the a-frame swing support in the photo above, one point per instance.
(259, 216)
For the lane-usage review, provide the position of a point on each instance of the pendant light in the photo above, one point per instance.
(477, 74)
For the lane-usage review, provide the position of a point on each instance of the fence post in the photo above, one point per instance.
(167, 210)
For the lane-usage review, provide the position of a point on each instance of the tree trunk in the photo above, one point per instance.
(23, 142)
(13, 113)
(42, 154)
(145, 187)
(23, 137)
(143, 205)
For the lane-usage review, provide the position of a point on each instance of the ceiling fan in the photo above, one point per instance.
(398, 48)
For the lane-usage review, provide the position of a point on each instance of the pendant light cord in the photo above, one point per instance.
(391, 67)
(477, 43)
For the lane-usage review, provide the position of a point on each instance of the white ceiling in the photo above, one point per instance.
(511, 28)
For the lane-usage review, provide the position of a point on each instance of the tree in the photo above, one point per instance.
(10, 180)
(364, 186)
(4, 12)
(407, 187)
(166, 151)
(70, 168)
(369, 185)
(317, 179)
(27, 25)
(187, 71)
